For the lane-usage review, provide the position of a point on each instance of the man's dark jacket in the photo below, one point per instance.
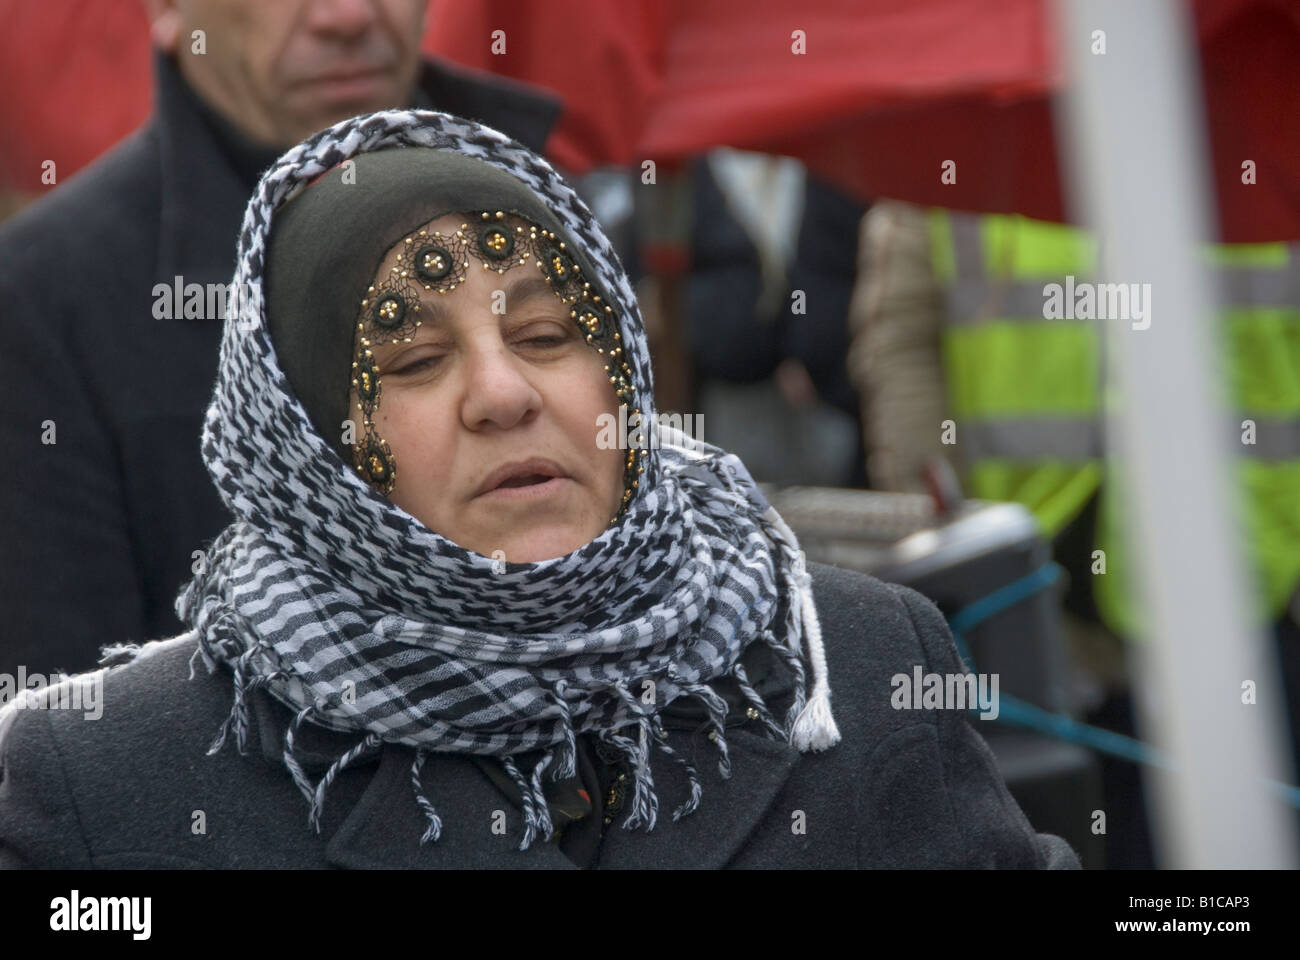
(100, 527)
(903, 788)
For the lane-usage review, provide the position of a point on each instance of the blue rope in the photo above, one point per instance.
(1016, 712)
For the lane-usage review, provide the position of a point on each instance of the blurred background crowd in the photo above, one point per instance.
(839, 221)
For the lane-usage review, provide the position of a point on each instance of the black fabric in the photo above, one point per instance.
(246, 157)
(327, 242)
(101, 526)
(903, 788)
(825, 267)
(727, 340)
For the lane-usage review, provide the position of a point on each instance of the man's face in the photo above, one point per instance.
(477, 389)
(282, 69)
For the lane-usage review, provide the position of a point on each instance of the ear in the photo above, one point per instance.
(164, 24)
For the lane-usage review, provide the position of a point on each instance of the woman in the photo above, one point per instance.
(464, 628)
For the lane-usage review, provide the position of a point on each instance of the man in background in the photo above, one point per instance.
(114, 294)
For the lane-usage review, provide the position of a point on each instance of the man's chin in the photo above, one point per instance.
(322, 109)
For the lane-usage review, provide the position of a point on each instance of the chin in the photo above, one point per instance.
(545, 544)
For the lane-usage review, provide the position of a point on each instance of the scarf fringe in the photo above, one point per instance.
(716, 708)
(295, 770)
(811, 724)
(568, 765)
(645, 802)
(369, 742)
(537, 815)
(751, 696)
(815, 729)
(434, 830)
(697, 790)
(244, 687)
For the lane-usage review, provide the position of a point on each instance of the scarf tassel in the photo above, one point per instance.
(295, 769)
(568, 765)
(815, 729)
(537, 816)
(369, 742)
(434, 830)
(717, 710)
(315, 796)
(697, 790)
(751, 695)
(645, 802)
(238, 718)
(813, 726)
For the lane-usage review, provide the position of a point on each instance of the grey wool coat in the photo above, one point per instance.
(134, 788)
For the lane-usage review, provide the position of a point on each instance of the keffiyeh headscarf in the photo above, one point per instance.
(362, 620)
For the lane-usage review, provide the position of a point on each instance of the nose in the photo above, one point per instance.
(497, 390)
(343, 18)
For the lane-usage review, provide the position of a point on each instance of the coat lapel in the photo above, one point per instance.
(203, 198)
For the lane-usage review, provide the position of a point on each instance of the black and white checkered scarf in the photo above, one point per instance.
(361, 619)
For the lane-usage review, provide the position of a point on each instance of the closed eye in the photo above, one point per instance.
(417, 366)
(429, 362)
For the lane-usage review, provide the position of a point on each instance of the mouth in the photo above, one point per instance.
(344, 84)
(538, 489)
(524, 479)
(531, 480)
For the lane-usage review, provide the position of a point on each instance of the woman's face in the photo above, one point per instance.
(478, 389)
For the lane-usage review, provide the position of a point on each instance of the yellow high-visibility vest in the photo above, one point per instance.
(1025, 391)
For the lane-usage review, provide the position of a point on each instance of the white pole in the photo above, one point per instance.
(1135, 150)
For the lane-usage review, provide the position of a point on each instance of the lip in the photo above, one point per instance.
(538, 465)
(537, 491)
(347, 83)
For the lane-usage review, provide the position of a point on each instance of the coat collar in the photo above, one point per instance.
(203, 196)
(382, 829)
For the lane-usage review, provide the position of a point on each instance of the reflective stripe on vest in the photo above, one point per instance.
(1074, 438)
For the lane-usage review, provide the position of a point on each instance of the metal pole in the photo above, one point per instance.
(1136, 163)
